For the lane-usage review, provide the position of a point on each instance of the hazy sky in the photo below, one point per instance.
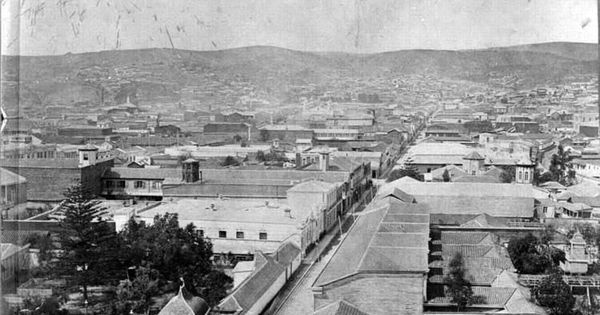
(39, 27)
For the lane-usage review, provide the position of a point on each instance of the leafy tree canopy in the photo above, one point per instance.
(175, 252)
(552, 292)
(458, 287)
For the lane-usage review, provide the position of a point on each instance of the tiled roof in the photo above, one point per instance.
(491, 296)
(340, 308)
(574, 206)
(493, 171)
(468, 250)
(473, 156)
(484, 220)
(459, 238)
(381, 242)
(453, 171)
(590, 201)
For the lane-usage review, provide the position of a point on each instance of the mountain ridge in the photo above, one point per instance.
(156, 73)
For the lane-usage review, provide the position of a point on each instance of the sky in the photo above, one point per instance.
(50, 27)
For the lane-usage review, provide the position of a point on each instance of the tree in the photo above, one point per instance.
(409, 170)
(508, 175)
(260, 156)
(230, 160)
(175, 253)
(552, 292)
(561, 167)
(459, 287)
(237, 138)
(263, 135)
(530, 256)
(446, 176)
(540, 178)
(137, 295)
(86, 240)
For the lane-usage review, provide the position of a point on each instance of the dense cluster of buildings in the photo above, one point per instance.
(269, 187)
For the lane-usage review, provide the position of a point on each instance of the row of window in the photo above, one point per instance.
(138, 184)
(526, 177)
(238, 234)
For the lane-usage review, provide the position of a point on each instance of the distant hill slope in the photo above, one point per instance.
(153, 74)
(576, 51)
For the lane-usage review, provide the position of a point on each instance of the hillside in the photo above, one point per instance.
(223, 76)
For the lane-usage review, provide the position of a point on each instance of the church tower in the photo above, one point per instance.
(473, 164)
(524, 171)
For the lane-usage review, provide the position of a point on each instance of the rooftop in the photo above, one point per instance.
(9, 178)
(390, 236)
(268, 211)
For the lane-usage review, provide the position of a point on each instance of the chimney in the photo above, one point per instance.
(324, 161)
(287, 212)
(267, 203)
(213, 207)
(298, 161)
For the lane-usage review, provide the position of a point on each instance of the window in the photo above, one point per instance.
(109, 184)
(85, 156)
(262, 235)
(139, 184)
(222, 234)
(121, 184)
(155, 185)
(526, 176)
(239, 234)
(520, 175)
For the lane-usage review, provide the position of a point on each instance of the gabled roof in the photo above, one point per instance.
(453, 171)
(400, 195)
(390, 236)
(268, 268)
(9, 178)
(484, 220)
(253, 288)
(473, 156)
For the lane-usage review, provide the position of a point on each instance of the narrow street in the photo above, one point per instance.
(296, 295)
(300, 300)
